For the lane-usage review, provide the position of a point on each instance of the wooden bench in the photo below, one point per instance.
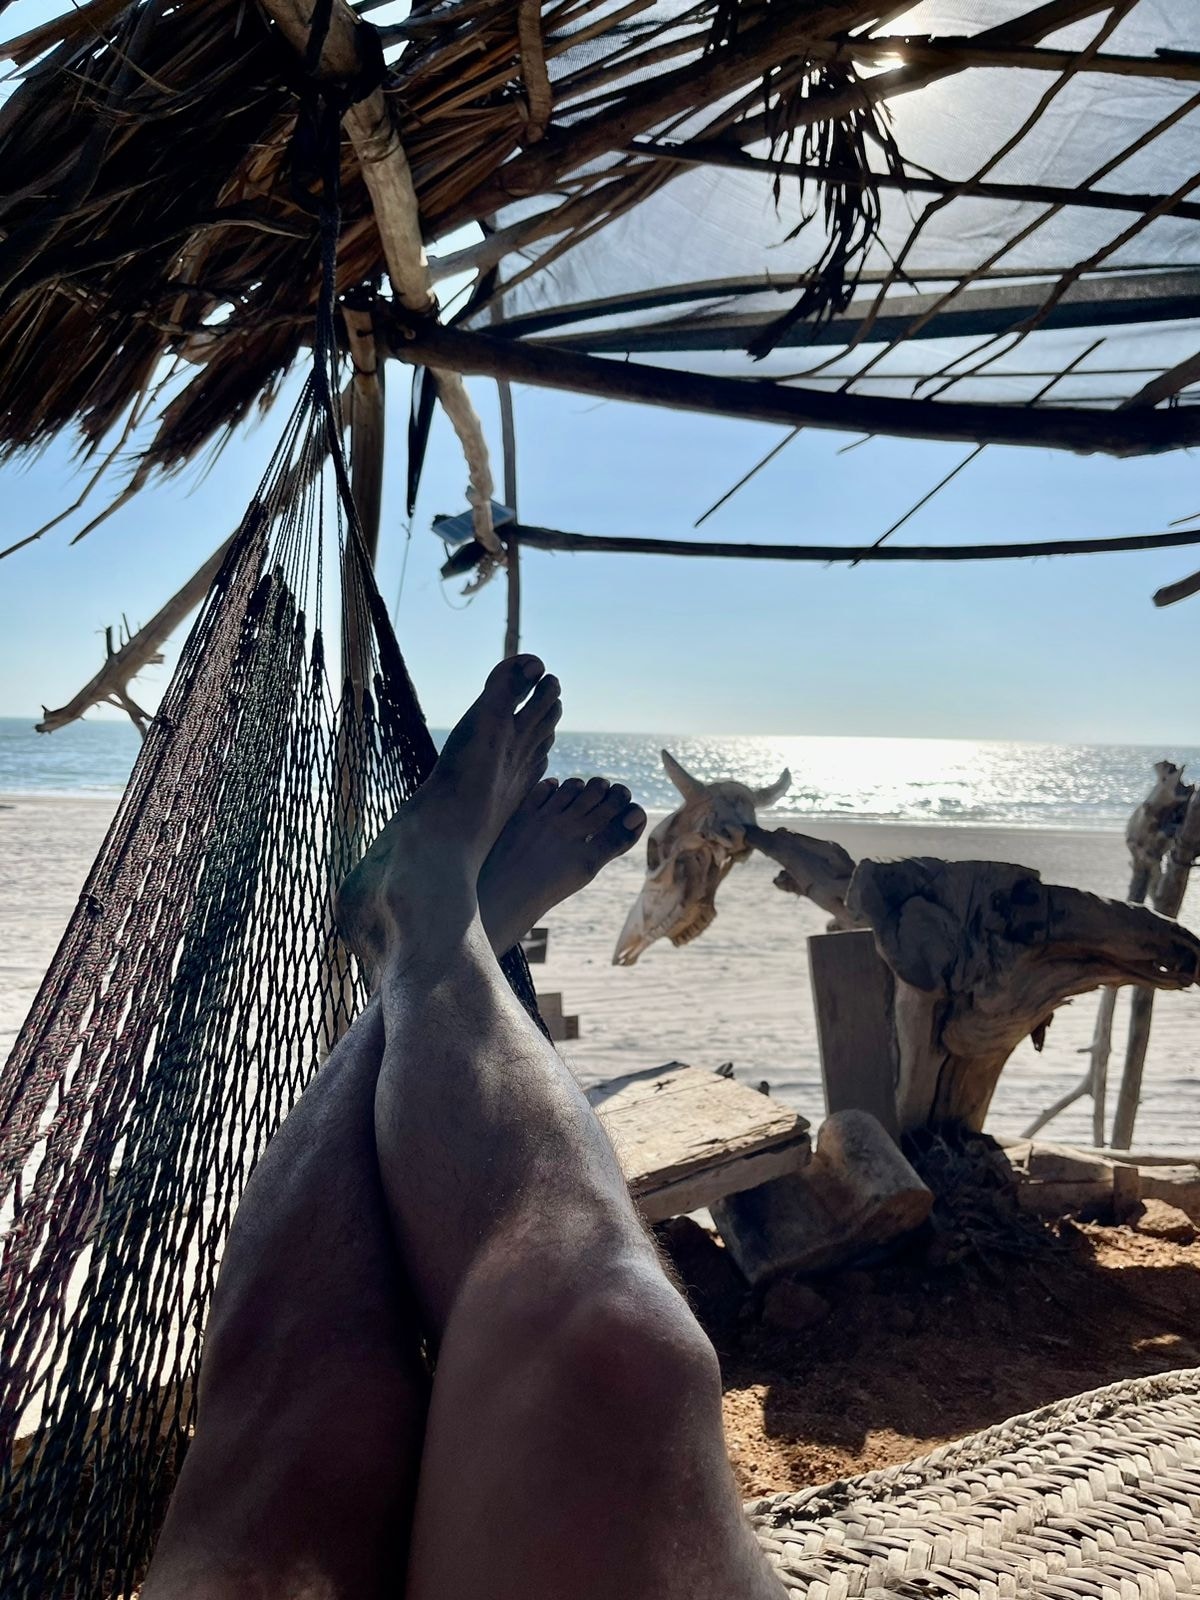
(686, 1138)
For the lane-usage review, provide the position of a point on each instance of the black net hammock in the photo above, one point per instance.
(196, 990)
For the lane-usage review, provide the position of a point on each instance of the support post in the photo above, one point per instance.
(1184, 849)
(508, 436)
(389, 182)
(853, 992)
(1146, 835)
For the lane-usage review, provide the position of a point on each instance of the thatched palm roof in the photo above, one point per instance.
(924, 218)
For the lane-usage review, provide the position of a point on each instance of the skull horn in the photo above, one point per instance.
(690, 788)
(773, 791)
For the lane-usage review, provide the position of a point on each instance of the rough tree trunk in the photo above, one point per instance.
(983, 954)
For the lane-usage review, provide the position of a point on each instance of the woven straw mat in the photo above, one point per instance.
(1095, 1496)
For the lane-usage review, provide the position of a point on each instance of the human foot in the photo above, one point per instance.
(423, 868)
(555, 843)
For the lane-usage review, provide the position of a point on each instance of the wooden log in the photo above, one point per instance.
(857, 1193)
(853, 991)
(686, 1138)
(983, 952)
(1121, 433)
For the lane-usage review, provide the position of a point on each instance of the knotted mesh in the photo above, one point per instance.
(196, 990)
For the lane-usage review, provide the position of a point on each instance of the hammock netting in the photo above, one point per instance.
(197, 989)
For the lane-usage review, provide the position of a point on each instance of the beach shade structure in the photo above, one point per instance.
(959, 221)
(965, 220)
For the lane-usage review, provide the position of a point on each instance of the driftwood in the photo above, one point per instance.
(1147, 834)
(688, 855)
(983, 954)
(142, 649)
(817, 869)
(1169, 891)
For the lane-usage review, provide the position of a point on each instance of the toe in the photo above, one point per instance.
(619, 834)
(540, 794)
(595, 790)
(569, 791)
(509, 682)
(610, 805)
(542, 709)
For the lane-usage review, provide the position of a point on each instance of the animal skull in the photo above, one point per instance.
(687, 856)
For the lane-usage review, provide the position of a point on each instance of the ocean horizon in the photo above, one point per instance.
(999, 783)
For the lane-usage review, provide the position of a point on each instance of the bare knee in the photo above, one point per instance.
(604, 1335)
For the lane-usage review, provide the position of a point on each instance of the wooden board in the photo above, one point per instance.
(687, 1138)
(852, 990)
(558, 1026)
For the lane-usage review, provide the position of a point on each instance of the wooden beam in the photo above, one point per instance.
(469, 555)
(1181, 66)
(1144, 432)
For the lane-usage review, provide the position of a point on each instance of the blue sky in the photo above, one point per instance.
(1063, 650)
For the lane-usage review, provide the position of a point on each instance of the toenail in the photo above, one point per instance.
(634, 818)
(531, 669)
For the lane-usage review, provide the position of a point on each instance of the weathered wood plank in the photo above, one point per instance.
(686, 1137)
(853, 991)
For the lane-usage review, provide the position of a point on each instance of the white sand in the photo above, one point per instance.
(740, 993)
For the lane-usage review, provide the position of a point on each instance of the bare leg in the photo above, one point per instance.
(574, 1445)
(302, 1476)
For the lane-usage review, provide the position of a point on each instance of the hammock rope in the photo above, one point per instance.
(196, 990)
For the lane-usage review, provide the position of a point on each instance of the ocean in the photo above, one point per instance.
(933, 781)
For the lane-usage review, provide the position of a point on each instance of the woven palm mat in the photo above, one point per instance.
(1094, 1496)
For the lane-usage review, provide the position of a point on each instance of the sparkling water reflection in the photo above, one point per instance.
(893, 780)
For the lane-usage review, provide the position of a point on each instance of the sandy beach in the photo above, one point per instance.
(740, 993)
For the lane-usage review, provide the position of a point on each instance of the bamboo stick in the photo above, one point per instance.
(468, 556)
(389, 181)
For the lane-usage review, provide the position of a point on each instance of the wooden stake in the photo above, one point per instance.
(1168, 899)
(508, 434)
(1146, 837)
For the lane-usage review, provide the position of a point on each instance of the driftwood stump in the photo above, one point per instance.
(983, 953)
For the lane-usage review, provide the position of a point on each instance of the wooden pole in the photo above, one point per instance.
(1146, 836)
(1184, 849)
(1120, 433)
(468, 555)
(508, 435)
(389, 182)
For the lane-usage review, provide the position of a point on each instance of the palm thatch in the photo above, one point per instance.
(155, 208)
(160, 257)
